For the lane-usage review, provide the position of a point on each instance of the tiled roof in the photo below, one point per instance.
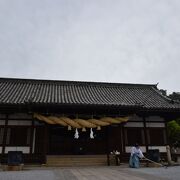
(24, 91)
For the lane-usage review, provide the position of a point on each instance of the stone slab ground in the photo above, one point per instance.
(92, 173)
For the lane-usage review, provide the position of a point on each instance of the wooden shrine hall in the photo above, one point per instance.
(80, 123)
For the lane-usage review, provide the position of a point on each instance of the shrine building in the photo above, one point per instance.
(80, 123)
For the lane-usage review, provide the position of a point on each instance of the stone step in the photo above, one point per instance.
(79, 160)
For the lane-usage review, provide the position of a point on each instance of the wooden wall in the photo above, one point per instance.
(20, 132)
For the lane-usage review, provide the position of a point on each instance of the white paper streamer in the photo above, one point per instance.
(91, 134)
(76, 135)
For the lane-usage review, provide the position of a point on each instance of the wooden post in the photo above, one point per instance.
(45, 142)
(5, 135)
(145, 134)
(122, 142)
(123, 137)
(107, 145)
(166, 130)
(31, 139)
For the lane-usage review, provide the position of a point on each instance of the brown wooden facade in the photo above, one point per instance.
(21, 132)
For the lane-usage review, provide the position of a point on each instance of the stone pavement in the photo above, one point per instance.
(92, 173)
(172, 172)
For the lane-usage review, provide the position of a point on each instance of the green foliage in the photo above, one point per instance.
(174, 131)
(175, 96)
(173, 126)
(164, 92)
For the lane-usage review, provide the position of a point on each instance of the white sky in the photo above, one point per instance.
(125, 41)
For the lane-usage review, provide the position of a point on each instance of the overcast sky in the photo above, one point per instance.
(125, 41)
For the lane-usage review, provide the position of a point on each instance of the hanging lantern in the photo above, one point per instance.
(76, 135)
(91, 134)
(69, 128)
(83, 129)
(99, 128)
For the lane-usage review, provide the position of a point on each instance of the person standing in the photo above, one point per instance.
(136, 154)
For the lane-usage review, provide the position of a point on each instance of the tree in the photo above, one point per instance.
(163, 92)
(174, 132)
(173, 126)
(175, 96)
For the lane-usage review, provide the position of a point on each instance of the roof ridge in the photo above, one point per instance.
(77, 82)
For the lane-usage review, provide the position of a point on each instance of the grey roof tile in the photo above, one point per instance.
(23, 91)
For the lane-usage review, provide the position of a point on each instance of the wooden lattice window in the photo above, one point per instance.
(156, 136)
(134, 135)
(18, 136)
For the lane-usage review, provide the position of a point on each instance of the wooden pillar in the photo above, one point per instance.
(167, 137)
(32, 135)
(45, 142)
(5, 135)
(145, 133)
(107, 145)
(123, 137)
(122, 140)
(122, 145)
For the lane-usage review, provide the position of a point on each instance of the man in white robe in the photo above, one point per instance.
(136, 154)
